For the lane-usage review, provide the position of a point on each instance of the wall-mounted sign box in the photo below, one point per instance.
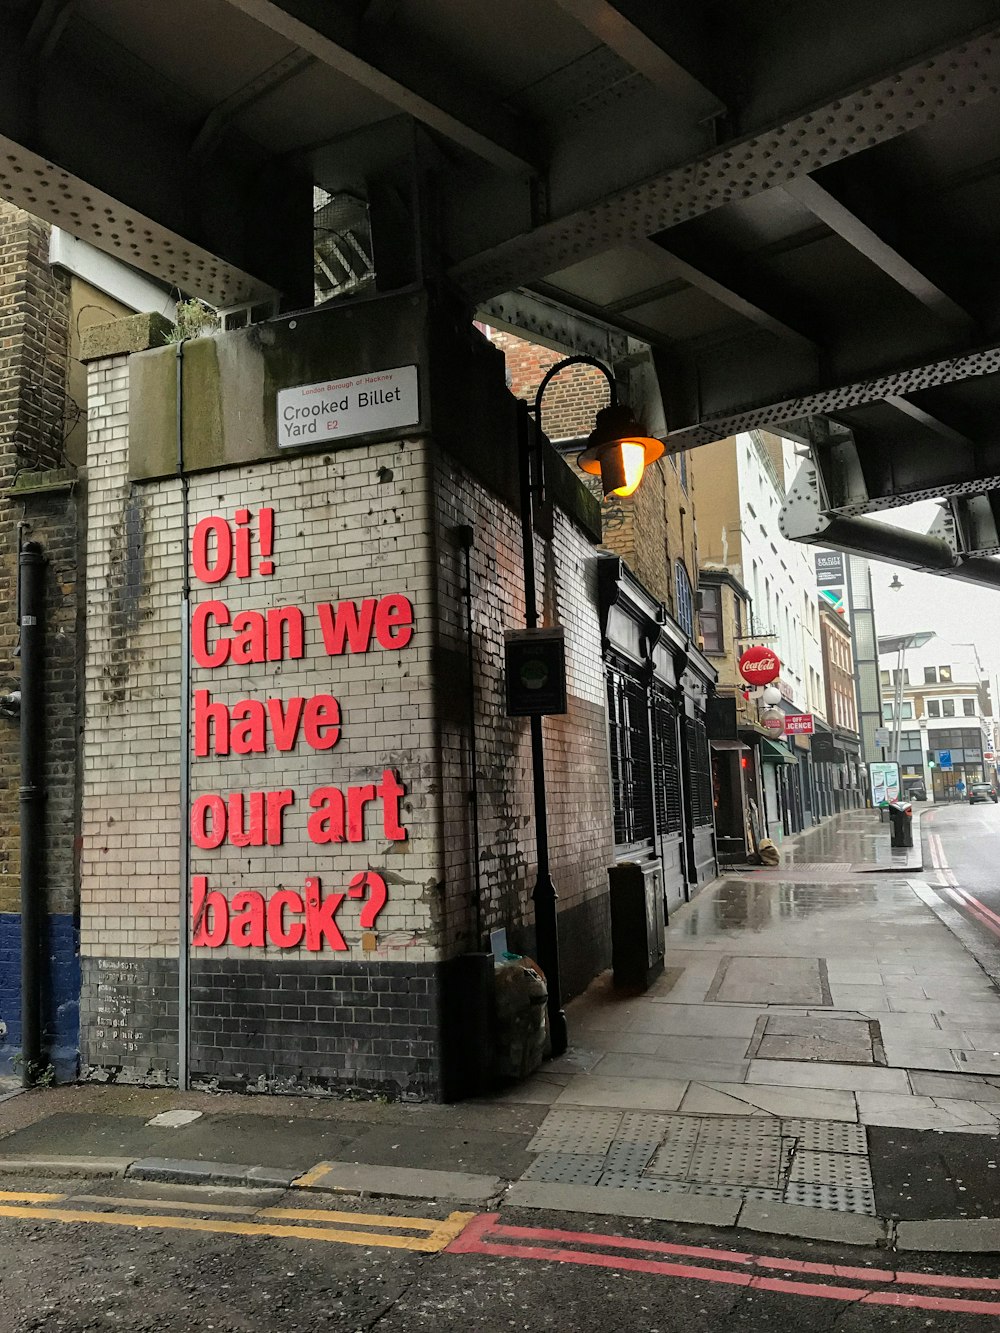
(535, 661)
(360, 404)
(799, 724)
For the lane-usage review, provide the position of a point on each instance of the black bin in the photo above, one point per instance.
(638, 930)
(901, 821)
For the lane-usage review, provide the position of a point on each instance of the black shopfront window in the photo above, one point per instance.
(631, 756)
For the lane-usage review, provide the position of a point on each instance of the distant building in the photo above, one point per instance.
(740, 483)
(838, 751)
(945, 723)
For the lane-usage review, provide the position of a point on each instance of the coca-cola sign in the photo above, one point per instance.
(759, 666)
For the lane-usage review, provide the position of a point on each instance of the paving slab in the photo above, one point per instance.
(843, 1077)
(400, 1182)
(788, 1219)
(663, 1206)
(968, 1087)
(635, 1094)
(962, 1235)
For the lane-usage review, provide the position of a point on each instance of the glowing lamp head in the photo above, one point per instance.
(618, 450)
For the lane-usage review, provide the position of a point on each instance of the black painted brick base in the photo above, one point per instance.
(284, 1026)
(584, 943)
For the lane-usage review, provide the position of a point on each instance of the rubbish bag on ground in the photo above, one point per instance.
(522, 1032)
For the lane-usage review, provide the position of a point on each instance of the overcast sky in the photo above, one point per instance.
(959, 612)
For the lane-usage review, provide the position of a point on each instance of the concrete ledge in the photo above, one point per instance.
(399, 1182)
(793, 1219)
(957, 1235)
(609, 1202)
(119, 337)
(179, 1172)
(86, 1167)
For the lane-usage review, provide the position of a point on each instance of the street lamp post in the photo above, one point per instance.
(617, 450)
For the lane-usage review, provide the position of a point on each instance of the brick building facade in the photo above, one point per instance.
(657, 680)
(37, 503)
(370, 801)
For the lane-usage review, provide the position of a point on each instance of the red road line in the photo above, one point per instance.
(619, 1242)
(475, 1239)
(980, 906)
(963, 901)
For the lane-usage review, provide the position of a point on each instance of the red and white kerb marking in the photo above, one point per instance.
(871, 1286)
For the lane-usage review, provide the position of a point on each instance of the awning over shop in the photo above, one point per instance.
(773, 753)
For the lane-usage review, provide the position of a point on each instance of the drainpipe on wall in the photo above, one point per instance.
(185, 741)
(31, 596)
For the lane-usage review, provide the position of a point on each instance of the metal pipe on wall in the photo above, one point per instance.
(183, 957)
(544, 893)
(31, 613)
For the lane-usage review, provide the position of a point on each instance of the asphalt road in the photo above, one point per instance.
(963, 841)
(110, 1255)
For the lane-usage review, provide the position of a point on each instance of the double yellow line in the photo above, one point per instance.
(314, 1224)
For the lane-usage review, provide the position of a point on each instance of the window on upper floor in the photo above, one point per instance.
(944, 673)
(710, 619)
(884, 677)
(683, 599)
(933, 708)
(947, 707)
(969, 707)
(930, 675)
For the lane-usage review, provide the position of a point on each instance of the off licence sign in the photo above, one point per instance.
(799, 724)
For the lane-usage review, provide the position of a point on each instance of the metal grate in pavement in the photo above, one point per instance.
(827, 1135)
(566, 1168)
(832, 1198)
(572, 1131)
(831, 1168)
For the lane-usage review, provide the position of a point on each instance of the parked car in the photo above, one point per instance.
(916, 791)
(982, 791)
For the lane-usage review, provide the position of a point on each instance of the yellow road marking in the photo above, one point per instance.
(314, 1174)
(178, 1205)
(13, 1196)
(437, 1240)
(362, 1219)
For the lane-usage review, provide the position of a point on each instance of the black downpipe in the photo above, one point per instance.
(31, 603)
(544, 893)
(466, 538)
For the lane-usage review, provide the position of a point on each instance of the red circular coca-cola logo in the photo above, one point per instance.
(759, 666)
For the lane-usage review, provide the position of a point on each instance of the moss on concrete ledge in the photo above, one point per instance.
(119, 337)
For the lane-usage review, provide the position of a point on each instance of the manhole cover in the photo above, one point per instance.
(852, 1041)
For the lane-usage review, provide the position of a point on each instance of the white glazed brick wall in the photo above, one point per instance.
(578, 794)
(356, 523)
(131, 792)
(340, 533)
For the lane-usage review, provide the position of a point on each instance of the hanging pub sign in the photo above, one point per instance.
(774, 720)
(759, 665)
(535, 662)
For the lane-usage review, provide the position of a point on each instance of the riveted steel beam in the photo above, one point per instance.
(423, 83)
(850, 228)
(640, 49)
(531, 316)
(46, 190)
(860, 476)
(769, 159)
(805, 518)
(764, 416)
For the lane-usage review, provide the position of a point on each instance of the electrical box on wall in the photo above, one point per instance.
(535, 669)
